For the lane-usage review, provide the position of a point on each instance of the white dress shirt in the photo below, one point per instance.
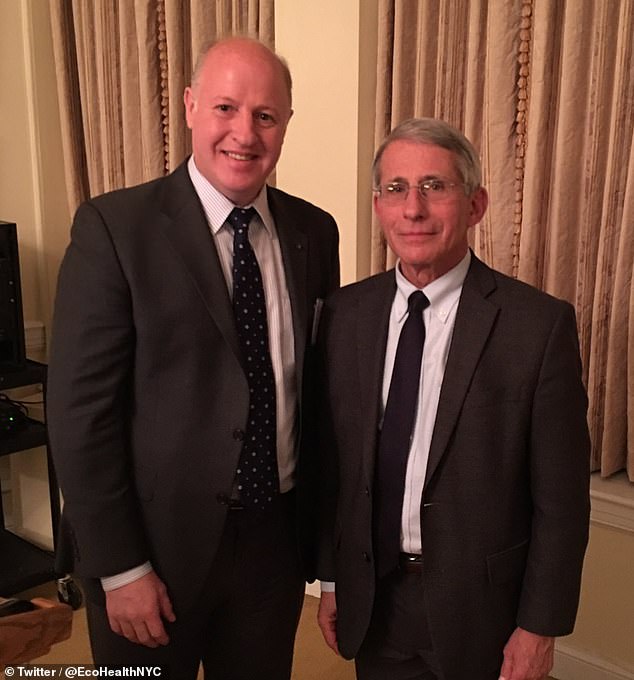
(266, 245)
(443, 294)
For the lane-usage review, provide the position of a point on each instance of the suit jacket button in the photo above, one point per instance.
(222, 498)
(367, 491)
(366, 557)
(238, 435)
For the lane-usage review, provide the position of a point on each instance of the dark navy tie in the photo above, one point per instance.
(257, 475)
(396, 434)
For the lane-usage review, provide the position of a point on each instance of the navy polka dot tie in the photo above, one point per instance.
(257, 475)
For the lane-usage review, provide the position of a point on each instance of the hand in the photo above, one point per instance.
(327, 620)
(527, 656)
(136, 611)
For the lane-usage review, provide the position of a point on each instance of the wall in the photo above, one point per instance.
(17, 191)
(33, 195)
(329, 145)
(329, 46)
(600, 647)
(32, 191)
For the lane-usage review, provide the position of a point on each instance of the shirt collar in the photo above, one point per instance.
(443, 293)
(217, 206)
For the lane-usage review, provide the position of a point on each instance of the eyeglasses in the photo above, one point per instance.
(434, 190)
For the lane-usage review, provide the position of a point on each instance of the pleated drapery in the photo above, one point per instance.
(122, 68)
(544, 90)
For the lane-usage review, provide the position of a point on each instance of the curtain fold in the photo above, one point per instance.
(121, 71)
(67, 71)
(543, 89)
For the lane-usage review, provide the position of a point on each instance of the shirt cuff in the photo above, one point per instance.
(327, 586)
(124, 578)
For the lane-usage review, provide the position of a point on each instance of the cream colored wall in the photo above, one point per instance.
(328, 147)
(17, 191)
(329, 46)
(32, 194)
(32, 191)
(606, 613)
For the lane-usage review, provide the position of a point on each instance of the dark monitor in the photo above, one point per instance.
(12, 349)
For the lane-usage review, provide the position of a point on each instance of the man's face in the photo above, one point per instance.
(429, 237)
(237, 111)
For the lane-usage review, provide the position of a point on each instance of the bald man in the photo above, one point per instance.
(179, 386)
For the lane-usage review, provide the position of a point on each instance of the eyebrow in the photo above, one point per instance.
(225, 99)
(425, 178)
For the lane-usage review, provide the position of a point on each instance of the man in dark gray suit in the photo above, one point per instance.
(456, 494)
(178, 387)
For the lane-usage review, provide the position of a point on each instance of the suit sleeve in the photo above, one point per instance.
(559, 472)
(89, 400)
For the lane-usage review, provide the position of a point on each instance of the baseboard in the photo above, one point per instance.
(571, 664)
(613, 501)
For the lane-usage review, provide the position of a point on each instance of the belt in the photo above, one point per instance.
(410, 563)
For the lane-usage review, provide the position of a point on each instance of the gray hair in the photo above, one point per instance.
(202, 55)
(438, 133)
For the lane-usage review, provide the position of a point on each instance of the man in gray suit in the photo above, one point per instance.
(456, 489)
(178, 390)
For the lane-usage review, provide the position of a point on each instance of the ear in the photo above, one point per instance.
(287, 121)
(478, 203)
(190, 105)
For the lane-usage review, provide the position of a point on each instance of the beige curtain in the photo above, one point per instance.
(544, 89)
(122, 66)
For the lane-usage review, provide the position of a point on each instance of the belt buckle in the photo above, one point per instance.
(410, 563)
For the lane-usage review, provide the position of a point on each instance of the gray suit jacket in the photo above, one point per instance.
(147, 393)
(505, 505)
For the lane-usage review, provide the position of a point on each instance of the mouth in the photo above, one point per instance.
(418, 234)
(240, 156)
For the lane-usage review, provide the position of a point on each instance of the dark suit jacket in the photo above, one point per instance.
(147, 394)
(505, 504)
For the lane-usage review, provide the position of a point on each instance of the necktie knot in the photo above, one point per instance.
(240, 218)
(417, 301)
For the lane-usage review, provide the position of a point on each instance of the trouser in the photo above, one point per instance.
(398, 645)
(243, 626)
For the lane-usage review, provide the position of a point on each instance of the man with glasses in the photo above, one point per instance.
(456, 444)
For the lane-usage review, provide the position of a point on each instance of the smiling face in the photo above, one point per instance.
(238, 109)
(429, 237)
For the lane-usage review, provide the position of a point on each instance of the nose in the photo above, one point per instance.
(244, 128)
(414, 206)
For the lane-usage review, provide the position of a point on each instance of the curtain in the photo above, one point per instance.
(122, 67)
(544, 90)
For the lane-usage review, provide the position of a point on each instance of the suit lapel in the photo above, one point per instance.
(185, 226)
(474, 321)
(294, 247)
(373, 314)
